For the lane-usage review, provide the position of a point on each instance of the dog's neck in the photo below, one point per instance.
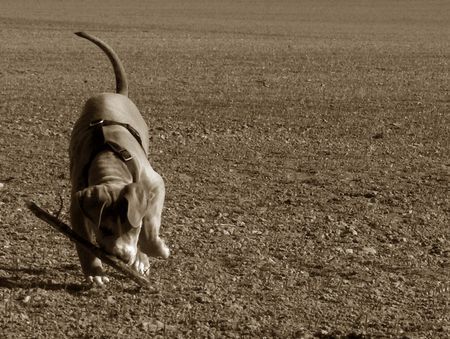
(107, 168)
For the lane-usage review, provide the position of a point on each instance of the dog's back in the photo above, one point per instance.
(115, 107)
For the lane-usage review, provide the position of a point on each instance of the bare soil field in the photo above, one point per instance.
(305, 147)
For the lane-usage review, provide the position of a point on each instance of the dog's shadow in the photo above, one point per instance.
(28, 278)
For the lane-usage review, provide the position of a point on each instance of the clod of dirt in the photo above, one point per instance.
(201, 299)
(379, 135)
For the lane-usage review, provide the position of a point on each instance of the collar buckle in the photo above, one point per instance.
(96, 122)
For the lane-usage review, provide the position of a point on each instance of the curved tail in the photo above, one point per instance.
(119, 71)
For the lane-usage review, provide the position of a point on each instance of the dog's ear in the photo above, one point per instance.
(135, 203)
(93, 200)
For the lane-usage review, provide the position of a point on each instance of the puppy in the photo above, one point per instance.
(117, 197)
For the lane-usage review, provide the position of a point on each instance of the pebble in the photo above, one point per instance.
(152, 325)
(352, 231)
(185, 178)
(305, 274)
(369, 250)
(200, 299)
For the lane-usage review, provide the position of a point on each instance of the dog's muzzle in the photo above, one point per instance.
(123, 251)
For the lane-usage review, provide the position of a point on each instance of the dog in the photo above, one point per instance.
(117, 197)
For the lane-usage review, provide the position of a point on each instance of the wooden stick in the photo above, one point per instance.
(87, 245)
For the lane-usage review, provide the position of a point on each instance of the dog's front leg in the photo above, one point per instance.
(90, 264)
(149, 241)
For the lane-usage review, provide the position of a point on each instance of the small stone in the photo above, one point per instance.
(2, 185)
(185, 178)
(445, 328)
(152, 325)
(305, 274)
(200, 299)
(353, 231)
(24, 316)
(234, 306)
(26, 299)
(323, 332)
(369, 250)
(349, 251)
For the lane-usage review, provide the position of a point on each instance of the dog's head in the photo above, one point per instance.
(117, 213)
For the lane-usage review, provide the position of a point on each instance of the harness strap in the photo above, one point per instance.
(131, 129)
(120, 151)
(101, 144)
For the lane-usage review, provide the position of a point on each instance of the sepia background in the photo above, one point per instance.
(305, 150)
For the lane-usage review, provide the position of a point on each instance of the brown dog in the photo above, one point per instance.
(117, 197)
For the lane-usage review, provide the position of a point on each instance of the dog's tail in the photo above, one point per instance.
(119, 71)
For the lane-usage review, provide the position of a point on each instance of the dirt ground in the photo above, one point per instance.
(305, 150)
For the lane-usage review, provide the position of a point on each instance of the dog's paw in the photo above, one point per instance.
(141, 264)
(159, 249)
(97, 280)
(164, 250)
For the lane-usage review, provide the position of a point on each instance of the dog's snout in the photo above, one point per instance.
(119, 248)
